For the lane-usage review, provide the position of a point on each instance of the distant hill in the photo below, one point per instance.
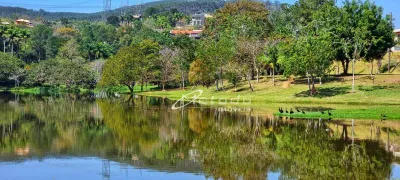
(185, 6)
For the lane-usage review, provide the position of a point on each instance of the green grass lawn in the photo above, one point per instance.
(384, 91)
(369, 101)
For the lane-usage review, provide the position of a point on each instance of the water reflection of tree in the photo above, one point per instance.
(233, 151)
(226, 145)
(52, 126)
(314, 154)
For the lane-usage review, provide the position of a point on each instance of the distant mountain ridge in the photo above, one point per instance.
(185, 6)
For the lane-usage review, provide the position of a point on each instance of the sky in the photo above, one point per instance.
(88, 6)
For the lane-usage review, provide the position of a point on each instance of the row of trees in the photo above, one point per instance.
(244, 40)
(247, 39)
(69, 52)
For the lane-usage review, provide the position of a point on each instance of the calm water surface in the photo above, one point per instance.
(84, 137)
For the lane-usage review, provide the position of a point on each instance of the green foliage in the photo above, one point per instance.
(43, 42)
(58, 72)
(312, 54)
(70, 51)
(12, 37)
(9, 66)
(216, 53)
(243, 18)
(131, 65)
(363, 32)
(96, 40)
(201, 73)
(147, 33)
(113, 20)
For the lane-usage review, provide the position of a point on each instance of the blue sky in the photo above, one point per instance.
(97, 5)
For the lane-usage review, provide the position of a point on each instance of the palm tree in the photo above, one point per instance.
(122, 18)
(3, 36)
(129, 18)
(13, 35)
(23, 34)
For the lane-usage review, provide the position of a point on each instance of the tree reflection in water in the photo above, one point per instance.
(146, 133)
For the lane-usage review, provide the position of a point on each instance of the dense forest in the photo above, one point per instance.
(184, 6)
(241, 42)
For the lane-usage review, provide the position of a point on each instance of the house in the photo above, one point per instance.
(138, 17)
(198, 20)
(397, 38)
(191, 33)
(23, 22)
(5, 23)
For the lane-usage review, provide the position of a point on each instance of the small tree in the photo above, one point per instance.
(11, 68)
(200, 73)
(247, 55)
(131, 65)
(113, 20)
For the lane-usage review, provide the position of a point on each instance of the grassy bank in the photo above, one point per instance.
(372, 97)
(385, 90)
(63, 89)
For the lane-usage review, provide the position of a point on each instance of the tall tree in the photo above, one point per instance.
(245, 18)
(309, 55)
(3, 36)
(167, 60)
(201, 73)
(217, 50)
(187, 47)
(42, 38)
(363, 31)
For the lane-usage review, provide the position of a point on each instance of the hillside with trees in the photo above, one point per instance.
(184, 6)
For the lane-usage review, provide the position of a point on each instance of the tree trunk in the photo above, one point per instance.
(379, 64)
(258, 75)
(4, 46)
(130, 88)
(353, 89)
(163, 86)
(338, 69)
(141, 86)
(273, 76)
(248, 79)
(345, 65)
(308, 83)
(12, 49)
(183, 81)
(220, 78)
(372, 68)
(389, 61)
(216, 84)
(313, 89)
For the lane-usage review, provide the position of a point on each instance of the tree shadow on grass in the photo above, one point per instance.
(247, 88)
(373, 88)
(325, 92)
(303, 80)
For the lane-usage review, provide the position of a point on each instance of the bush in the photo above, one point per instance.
(61, 72)
(11, 68)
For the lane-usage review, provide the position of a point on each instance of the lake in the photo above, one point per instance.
(137, 137)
